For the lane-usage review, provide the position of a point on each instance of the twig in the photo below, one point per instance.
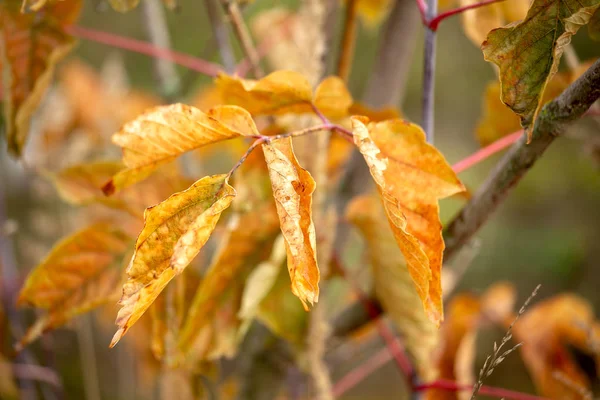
(567, 107)
(138, 46)
(348, 41)
(429, 75)
(486, 152)
(34, 372)
(158, 32)
(221, 35)
(243, 35)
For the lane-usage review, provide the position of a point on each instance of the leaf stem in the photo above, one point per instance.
(138, 46)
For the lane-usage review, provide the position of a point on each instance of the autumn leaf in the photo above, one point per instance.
(393, 283)
(411, 176)
(292, 189)
(528, 53)
(284, 92)
(594, 26)
(248, 235)
(123, 6)
(478, 22)
(78, 275)
(165, 132)
(372, 12)
(30, 47)
(498, 120)
(173, 234)
(547, 329)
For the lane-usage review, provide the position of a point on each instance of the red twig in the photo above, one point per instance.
(139, 46)
(451, 386)
(423, 11)
(487, 151)
(433, 23)
(358, 374)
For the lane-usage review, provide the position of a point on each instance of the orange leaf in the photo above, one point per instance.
(77, 276)
(164, 133)
(292, 188)
(173, 234)
(411, 176)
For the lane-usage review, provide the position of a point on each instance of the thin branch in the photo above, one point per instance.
(486, 152)
(221, 35)
(156, 28)
(428, 101)
(138, 46)
(243, 35)
(567, 107)
(34, 372)
(348, 41)
(435, 21)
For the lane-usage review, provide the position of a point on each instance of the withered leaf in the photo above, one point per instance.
(78, 275)
(30, 47)
(284, 92)
(411, 176)
(528, 53)
(393, 283)
(163, 133)
(292, 189)
(173, 234)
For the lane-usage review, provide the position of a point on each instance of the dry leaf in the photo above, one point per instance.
(411, 176)
(528, 53)
(292, 189)
(30, 47)
(78, 275)
(393, 284)
(174, 232)
(164, 133)
(284, 92)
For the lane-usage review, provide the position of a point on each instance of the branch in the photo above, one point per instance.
(158, 32)
(348, 41)
(221, 35)
(567, 107)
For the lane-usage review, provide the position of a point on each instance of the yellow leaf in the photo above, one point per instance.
(478, 22)
(123, 6)
(248, 235)
(77, 276)
(393, 283)
(173, 234)
(292, 189)
(163, 133)
(372, 12)
(30, 47)
(411, 176)
(284, 92)
(528, 53)
(498, 120)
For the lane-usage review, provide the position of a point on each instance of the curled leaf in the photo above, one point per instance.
(78, 275)
(528, 53)
(173, 234)
(165, 132)
(30, 47)
(411, 176)
(393, 283)
(292, 189)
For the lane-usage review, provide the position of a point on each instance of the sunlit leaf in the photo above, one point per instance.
(30, 47)
(393, 283)
(248, 235)
(372, 12)
(292, 188)
(478, 22)
(174, 232)
(163, 133)
(284, 92)
(411, 176)
(78, 275)
(528, 53)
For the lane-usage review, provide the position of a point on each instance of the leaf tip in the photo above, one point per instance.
(118, 335)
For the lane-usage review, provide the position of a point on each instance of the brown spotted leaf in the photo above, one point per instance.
(173, 234)
(528, 53)
(393, 283)
(292, 189)
(411, 176)
(78, 275)
(163, 133)
(30, 47)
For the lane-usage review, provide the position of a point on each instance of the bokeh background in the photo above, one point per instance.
(547, 232)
